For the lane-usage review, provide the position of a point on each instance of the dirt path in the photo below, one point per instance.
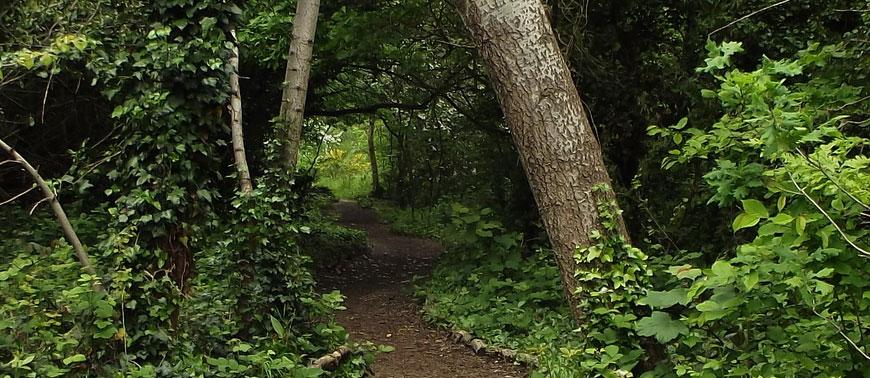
(380, 307)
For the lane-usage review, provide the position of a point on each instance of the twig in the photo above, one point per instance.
(45, 98)
(840, 331)
(818, 166)
(18, 196)
(58, 212)
(848, 104)
(32, 209)
(843, 234)
(747, 16)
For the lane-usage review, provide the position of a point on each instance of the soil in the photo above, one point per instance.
(382, 309)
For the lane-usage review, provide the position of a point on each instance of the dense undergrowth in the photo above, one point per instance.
(789, 300)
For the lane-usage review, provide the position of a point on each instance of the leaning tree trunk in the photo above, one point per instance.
(555, 141)
(62, 219)
(373, 160)
(296, 78)
(236, 120)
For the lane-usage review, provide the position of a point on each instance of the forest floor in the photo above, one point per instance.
(381, 307)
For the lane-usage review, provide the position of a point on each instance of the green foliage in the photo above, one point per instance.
(486, 283)
(341, 161)
(611, 277)
(792, 300)
(52, 318)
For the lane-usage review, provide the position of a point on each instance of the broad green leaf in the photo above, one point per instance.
(660, 325)
(800, 225)
(74, 358)
(755, 208)
(782, 218)
(276, 325)
(750, 280)
(664, 299)
(744, 220)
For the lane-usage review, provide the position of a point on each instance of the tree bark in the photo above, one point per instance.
(549, 127)
(236, 120)
(296, 78)
(373, 160)
(51, 197)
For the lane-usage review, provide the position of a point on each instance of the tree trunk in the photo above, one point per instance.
(373, 159)
(556, 144)
(236, 120)
(296, 78)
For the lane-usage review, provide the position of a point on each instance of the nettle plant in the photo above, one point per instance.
(790, 152)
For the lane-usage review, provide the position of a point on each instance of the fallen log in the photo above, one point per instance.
(479, 347)
(332, 360)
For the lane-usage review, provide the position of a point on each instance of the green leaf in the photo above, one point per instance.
(750, 280)
(660, 325)
(276, 325)
(755, 208)
(722, 269)
(664, 299)
(685, 271)
(800, 225)
(744, 220)
(74, 358)
(207, 23)
(782, 218)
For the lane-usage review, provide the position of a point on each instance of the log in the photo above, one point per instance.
(479, 347)
(331, 360)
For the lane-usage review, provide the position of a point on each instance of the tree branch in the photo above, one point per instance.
(370, 109)
(58, 212)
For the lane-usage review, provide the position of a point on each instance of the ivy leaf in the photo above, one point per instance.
(660, 325)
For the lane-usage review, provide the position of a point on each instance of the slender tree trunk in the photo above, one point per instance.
(556, 144)
(236, 120)
(62, 219)
(373, 159)
(296, 78)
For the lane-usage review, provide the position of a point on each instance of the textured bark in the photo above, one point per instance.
(373, 159)
(296, 78)
(65, 225)
(555, 141)
(236, 120)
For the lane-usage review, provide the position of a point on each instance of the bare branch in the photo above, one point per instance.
(747, 16)
(843, 234)
(58, 212)
(17, 196)
(840, 331)
(32, 209)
